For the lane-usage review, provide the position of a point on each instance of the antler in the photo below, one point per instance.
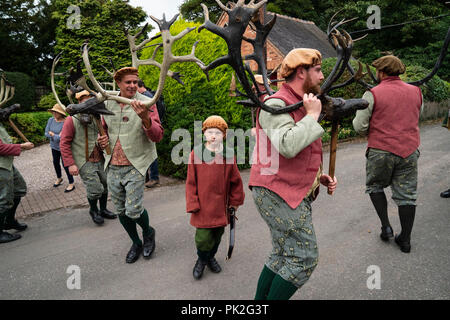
(6, 94)
(238, 19)
(52, 79)
(168, 59)
(6, 90)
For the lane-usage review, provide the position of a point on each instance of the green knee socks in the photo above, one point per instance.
(281, 289)
(144, 223)
(264, 283)
(272, 286)
(130, 227)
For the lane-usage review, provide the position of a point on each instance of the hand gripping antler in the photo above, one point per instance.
(168, 59)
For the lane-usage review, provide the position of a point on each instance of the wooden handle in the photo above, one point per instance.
(18, 131)
(333, 147)
(102, 132)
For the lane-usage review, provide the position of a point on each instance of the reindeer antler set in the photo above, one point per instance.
(6, 94)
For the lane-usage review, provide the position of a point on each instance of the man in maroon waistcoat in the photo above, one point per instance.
(286, 174)
(392, 124)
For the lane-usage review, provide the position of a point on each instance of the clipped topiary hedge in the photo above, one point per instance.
(24, 90)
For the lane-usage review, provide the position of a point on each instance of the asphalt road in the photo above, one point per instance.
(347, 228)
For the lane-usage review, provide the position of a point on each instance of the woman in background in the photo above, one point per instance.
(52, 131)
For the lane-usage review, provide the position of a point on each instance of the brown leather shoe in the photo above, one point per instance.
(152, 183)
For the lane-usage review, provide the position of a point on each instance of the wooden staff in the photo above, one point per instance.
(102, 132)
(17, 130)
(333, 147)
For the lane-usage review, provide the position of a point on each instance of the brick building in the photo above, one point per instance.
(287, 33)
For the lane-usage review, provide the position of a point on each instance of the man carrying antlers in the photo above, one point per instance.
(12, 186)
(283, 196)
(132, 132)
(82, 155)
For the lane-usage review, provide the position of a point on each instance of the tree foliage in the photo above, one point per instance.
(102, 24)
(27, 37)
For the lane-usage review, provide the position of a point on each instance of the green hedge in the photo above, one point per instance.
(47, 102)
(24, 90)
(32, 125)
(199, 98)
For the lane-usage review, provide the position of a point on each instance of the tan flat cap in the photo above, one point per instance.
(124, 71)
(59, 109)
(390, 65)
(299, 57)
(81, 94)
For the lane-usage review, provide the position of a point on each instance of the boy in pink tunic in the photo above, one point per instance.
(213, 185)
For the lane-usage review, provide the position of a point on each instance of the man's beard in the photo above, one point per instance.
(309, 88)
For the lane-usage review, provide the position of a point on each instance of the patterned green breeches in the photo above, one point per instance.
(94, 178)
(12, 185)
(294, 253)
(385, 169)
(126, 186)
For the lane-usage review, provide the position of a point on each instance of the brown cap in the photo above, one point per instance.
(124, 71)
(58, 108)
(299, 57)
(81, 94)
(391, 65)
(215, 122)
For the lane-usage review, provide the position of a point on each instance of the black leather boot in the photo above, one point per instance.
(10, 220)
(198, 269)
(386, 233)
(445, 194)
(214, 266)
(134, 253)
(105, 213)
(93, 211)
(149, 245)
(8, 237)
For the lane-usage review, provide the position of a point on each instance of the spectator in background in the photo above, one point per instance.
(52, 131)
(152, 175)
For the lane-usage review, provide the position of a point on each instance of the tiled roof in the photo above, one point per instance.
(289, 33)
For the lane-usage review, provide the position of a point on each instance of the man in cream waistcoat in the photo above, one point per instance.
(283, 193)
(131, 132)
(12, 186)
(76, 130)
(392, 124)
